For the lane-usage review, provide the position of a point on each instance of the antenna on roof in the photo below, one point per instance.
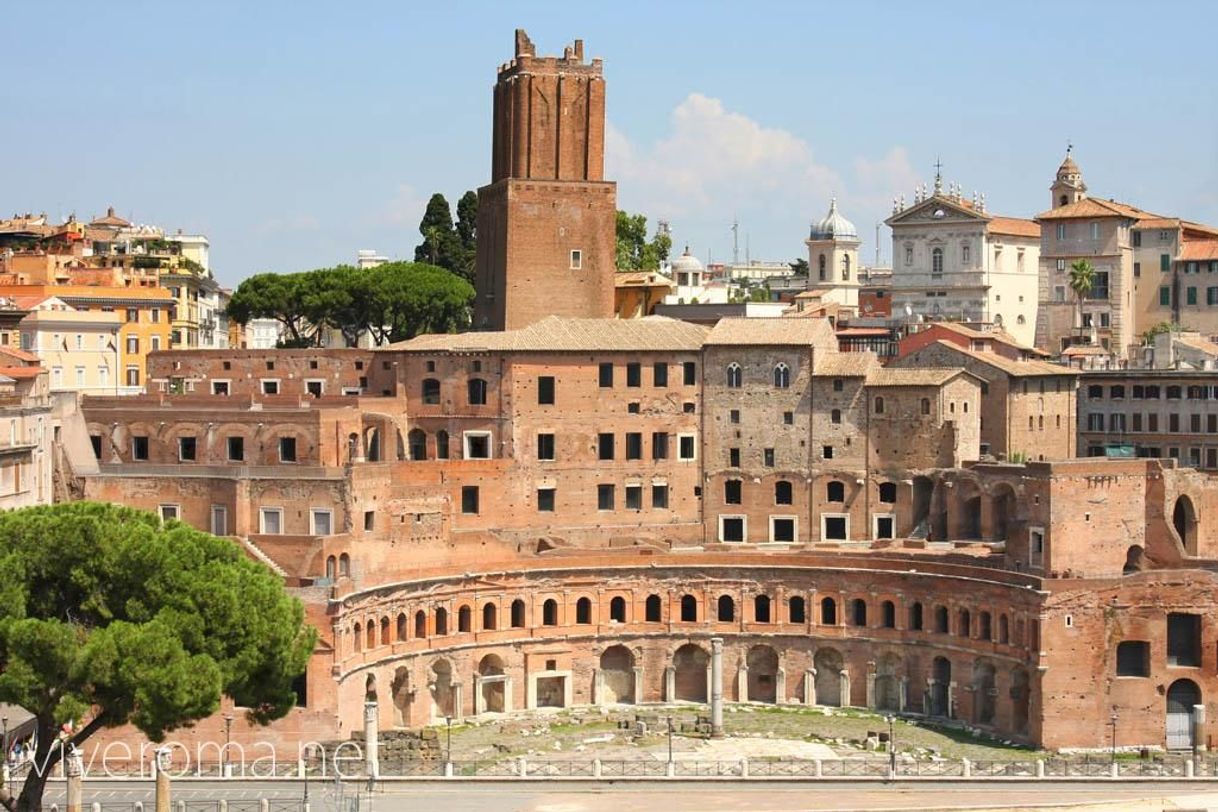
(735, 241)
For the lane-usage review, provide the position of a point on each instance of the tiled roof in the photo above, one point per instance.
(1095, 207)
(566, 334)
(773, 332)
(919, 376)
(1191, 228)
(625, 279)
(1159, 222)
(1084, 349)
(1197, 343)
(1010, 366)
(21, 372)
(998, 335)
(1199, 249)
(1014, 226)
(844, 364)
(20, 354)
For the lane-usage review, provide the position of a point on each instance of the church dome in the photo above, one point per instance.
(1068, 167)
(834, 226)
(687, 263)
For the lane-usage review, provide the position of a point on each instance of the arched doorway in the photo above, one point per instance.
(1181, 697)
(1003, 503)
(828, 663)
(1184, 519)
(400, 688)
(985, 693)
(492, 683)
(887, 683)
(1021, 693)
(970, 516)
(941, 673)
(689, 677)
(762, 662)
(617, 676)
(442, 689)
(1135, 560)
(923, 488)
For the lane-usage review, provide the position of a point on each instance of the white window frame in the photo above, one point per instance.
(352, 391)
(577, 259)
(175, 509)
(693, 437)
(824, 517)
(321, 381)
(1036, 559)
(744, 531)
(263, 512)
(794, 528)
(262, 382)
(226, 381)
(223, 511)
(490, 444)
(313, 514)
(875, 525)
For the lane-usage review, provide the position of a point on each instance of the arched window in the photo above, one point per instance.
(385, 639)
(344, 565)
(797, 610)
(464, 619)
(331, 567)
(888, 492)
(936, 261)
(477, 392)
(371, 635)
(964, 253)
(441, 621)
(783, 492)
(518, 614)
(879, 405)
(652, 609)
(1004, 630)
(845, 266)
(761, 609)
(821, 266)
(828, 612)
(726, 609)
(403, 627)
(441, 444)
(888, 610)
(925, 405)
(617, 609)
(549, 612)
(583, 611)
(357, 634)
(964, 626)
(735, 377)
(985, 630)
(490, 617)
(420, 624)
(835, 491)
(858, 612)
(416, 440)
(689, 609)
(941, 619)
(431, 391)
(915, 617)
(782, 376)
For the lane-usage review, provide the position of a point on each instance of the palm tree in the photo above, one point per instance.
(1082, 280)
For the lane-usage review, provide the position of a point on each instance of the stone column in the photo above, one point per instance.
(742, 683)
(670, 684)
(1199, 728)
(780, 686)
(371, 740)
(479, 704)
(74, 768)
(458, 702)
(871, 686)
(902, 694)
(810, 687)
(638, 685)
(598, 687)
(951, 700)
(507, 694)
(716, 695)
(928, 697)
(844, 677)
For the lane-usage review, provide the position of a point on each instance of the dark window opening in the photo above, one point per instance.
(1133, 658)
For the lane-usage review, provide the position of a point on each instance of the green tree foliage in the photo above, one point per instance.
(634, 251)
(1162, 327)
(394, 302)
(445, 245)
(1082, 280)
(109, 615)
(799, 267)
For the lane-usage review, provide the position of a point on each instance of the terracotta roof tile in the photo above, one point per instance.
(1158, 222)
(1193, 250)
(1029, 368)
(625, 279)
(1095, 207)
(21, 372)
(571, 335)
(1014, 226)
(22, 355)
(773, 332)
(844, 364)
(915, 376)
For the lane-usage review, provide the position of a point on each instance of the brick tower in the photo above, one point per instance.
(547, 220)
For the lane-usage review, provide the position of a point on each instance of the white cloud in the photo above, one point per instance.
(405, 208)
(713, 164)
(290, 224)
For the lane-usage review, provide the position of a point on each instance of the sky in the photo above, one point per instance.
(293, 134)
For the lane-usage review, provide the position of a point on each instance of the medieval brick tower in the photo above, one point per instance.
(546, 221)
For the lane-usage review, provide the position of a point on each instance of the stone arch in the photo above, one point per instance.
(420, 624)
(1182, 697)
(442, 445)
(1021, 693)
(617, 609)
(940, 695)
(385, 639)
(490, 617)
(549, 612)
(465, 619)
(357, 636)
(416, 442)
(402, 694)
(344, 565)
(441, 687)
(888, 683)
(726, 607)
(689, 673)
(372, 444)
(985, 692)
(969, 522)
(797, 609)
(1184, 520)
(493, 690)
(402, 627)
(689, 609)
(616, 675)
(583, 611)
(915, 616)
(829, 663)
(888, 615)
(762, 663)
(761, 609)
(441, 620)
(828, 612)
(653, 609)
(1135, 560)
(517, 619)
(370, 643)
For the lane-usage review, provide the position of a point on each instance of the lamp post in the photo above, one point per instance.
(670, 740)
(228, 735)
(8, 762)
(1112, 721)
(448, 740)
(892, 746)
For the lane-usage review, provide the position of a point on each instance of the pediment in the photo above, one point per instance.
(936, 210)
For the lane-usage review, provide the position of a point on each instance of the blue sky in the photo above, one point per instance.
(293, 134)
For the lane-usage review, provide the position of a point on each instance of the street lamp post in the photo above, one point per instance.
(1112, 721)
(448, 740)
(670, 740)
(228, 735)
(892, 746)
(8, 762)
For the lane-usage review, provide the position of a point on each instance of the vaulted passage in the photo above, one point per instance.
(763, 674)
(689, 664)
(617, 675)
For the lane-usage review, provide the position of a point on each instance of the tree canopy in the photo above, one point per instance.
(110, 615)
(634, 251)
(1082, 280)
(445, 245)
(393, 302)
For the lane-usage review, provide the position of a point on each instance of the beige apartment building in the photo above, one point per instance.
(79, 348)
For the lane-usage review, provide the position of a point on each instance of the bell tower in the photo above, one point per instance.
(1068, 187)
(547, 220)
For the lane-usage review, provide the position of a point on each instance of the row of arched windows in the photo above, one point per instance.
(782, 376)
(475, 390)
(923, 407)
(855, 612)
(416, 444)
